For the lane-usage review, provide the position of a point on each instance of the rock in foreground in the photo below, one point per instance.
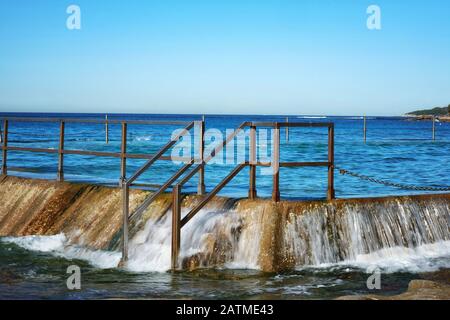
(417, 290)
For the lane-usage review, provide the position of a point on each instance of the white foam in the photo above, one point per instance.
(39, 243)
(425, 258)
(143, 138)
(312, 117)
(57, 245)
(150, 249)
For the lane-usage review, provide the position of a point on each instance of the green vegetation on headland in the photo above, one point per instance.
(442, 114)
(432, 112)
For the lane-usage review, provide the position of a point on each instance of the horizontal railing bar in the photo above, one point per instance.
(305, 124)
(210, 195)
(305, 164)
(164, 122)
(23, 169)
(291, 124)
(97, 153)
(150, 156)
(146, 122)
(92, 153)
(146, 185)
(39, 150)
(163, 188)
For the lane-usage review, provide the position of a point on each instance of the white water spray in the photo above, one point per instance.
(396, 236)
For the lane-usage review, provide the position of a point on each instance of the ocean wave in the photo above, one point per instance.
(425, 258)
(143, 138)
(156, 257)
(57, 245)
(312, 117)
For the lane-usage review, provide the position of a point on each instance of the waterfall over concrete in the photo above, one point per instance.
(285, 236)
(257, 234)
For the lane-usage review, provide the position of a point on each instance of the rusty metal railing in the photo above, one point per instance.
(62, 151)
(127, 183)
(177, 222)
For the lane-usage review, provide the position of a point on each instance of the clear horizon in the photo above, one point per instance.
(200, 114)
(225, 57)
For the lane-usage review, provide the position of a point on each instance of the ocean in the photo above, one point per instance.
(397, 150)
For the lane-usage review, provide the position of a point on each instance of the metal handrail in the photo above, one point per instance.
(226, 141)
(97, 153)
(126, 183)
(148, 201)
(177, 223)
(61, 151)
(292, 124)
(163, 150)
(100, 121)
(213, 192)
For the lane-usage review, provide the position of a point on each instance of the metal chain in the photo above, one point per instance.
(391, 184)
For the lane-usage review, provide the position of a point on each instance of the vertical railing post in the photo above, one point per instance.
(253, 160)
(106, 129)
(365, 129)
(1, 134)
(176, 225)
(331, 192)
(123, 153)
(201, 151)
(434, 127)
(5, 148)
(125, 211)
(125, 193)
(60, 174)
(276, 163)
(287, 129)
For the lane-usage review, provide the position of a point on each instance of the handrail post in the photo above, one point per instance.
(331, 192)
(60, 174)
(123, 151)
(176, 225)
(201, 151)
(5, 147)
(276, 164)
(125, 211)
(106, 129)
(253, 159)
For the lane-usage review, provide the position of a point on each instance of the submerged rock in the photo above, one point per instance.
(417, 290)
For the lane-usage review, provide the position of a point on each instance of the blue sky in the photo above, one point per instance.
(224, 56)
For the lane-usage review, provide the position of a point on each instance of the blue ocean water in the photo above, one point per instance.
(397, 150)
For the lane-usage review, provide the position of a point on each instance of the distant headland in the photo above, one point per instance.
(440, 113)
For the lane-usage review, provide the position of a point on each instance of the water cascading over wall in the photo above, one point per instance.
(256, 234)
